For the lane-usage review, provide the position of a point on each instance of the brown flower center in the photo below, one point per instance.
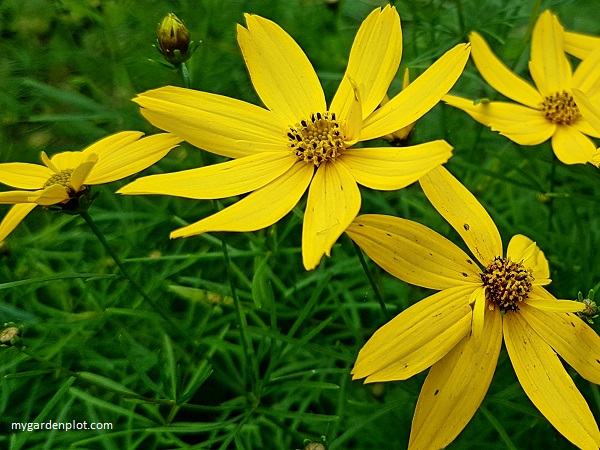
(317, 140)
(507, 283)
(560, 108)
(63, 178)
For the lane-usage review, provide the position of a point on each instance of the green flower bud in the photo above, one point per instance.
(173, 39)
(9, 335)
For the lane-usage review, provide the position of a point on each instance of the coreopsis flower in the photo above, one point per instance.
(298, 142)
(173, 39)
(65, 176)
(458, 331)
(545, 112)
(399, 137)
(581, 45)
(590, 112)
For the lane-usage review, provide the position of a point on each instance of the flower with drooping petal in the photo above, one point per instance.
(581, 45)
(458, 331)
(65, 176)
(297, 141)
(548, 112)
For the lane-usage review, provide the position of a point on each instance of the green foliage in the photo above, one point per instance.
(245, 349)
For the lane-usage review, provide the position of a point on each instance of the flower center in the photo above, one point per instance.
(63, 178)
(560, 108)
(317, 140)
(506, 283)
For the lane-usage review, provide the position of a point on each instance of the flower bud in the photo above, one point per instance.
(173, 39)
(9, 335)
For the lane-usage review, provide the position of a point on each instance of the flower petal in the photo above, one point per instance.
(81, 172)
(549, 66)
(413, 253)
(216, 123)
(576, 342)
(589, 111)
(521, 124)
(395, 167)
(333, 203)
(12, 197)
(479, 304)
(547, 384)
(571, 146)
(372, 66)
(24, 175)
(259, 209)
(66, 160)
(466, 215)
(52, 195)
(540, 298)
(500, 77)
(419, 97)
(524, 250)
(416, 338)
(281, 73)
(234, 177)
(14, 217)
(120, 161)
(580, 45)
(587, 75)
(455, 387)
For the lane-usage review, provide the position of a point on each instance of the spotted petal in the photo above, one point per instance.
(280, 71)
(547, 384)
(466, 215)
(14, 217)
(416, 338)
(395, 167)
(333, 203)
(455, 387)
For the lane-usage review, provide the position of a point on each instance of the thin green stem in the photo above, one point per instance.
(185, 74)
(365, 267)
(88, 219)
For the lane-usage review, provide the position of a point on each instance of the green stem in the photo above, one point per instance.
(365, 267)
(185, 74)
(88, 219)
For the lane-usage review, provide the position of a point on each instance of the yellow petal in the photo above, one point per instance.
(14, 217)
(67, 160)
(466, 215)
(541, 299)
(576, 342)
(12, 197)
(216, 123)
(521, 124)
(48, 163)
(52, 195)
(589, 111)
(584, 127)
(281, 73)
(413, 253)
(499, 76)
(479, 304)
(580, 45)
(547, 384)
(571, 146)
(549, 66)
(587, 75)
(234, 177)
(259, 209)
(24, 175)
(416, 338)
(120, 161)
(81, 172)
(524, 250)
(395, 167)
(112, 143)
(419, 97)
(455, 387)
(350, 114)
(372, 66)
(333, 203)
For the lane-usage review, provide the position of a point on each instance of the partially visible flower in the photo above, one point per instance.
(298, 143)
(581, 45)
(65, 176)
(548, 112)
(458, 331)
(173, 39)
(591, 113)
(399, 137)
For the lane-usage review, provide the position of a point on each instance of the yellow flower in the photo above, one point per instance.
(66, 175)
(548, 112)
(458, 331)
(298, 142)
(581, 45)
